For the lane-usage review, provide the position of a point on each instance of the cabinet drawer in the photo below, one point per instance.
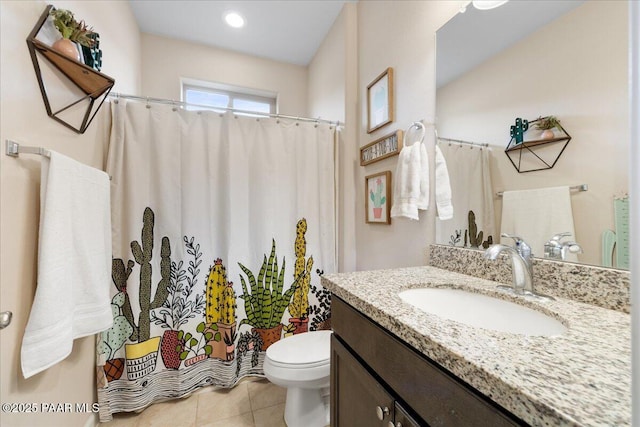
(430, 391)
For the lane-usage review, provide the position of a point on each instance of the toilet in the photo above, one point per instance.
(301, 364)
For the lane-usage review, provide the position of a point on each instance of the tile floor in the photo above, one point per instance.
(254, 402)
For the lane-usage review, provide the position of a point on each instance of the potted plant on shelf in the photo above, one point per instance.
(72, 32)
(546, 125)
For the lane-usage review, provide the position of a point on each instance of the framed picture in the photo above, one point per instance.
(388, 145)
(380, 101)
(378, 198)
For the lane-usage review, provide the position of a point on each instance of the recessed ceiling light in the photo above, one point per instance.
(234, 19)
(488, 4)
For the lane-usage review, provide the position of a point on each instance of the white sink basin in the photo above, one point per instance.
(482, 311)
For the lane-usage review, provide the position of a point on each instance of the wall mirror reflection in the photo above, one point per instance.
(567, 59)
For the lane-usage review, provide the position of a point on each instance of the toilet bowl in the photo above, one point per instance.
(301, 364)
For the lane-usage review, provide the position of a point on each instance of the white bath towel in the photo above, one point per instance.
(443, 188)
(74, 262)
(411, 187)
(536, 216)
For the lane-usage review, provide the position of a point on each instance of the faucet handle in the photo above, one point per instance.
(511, 236)
(559, 236)
(521, 246)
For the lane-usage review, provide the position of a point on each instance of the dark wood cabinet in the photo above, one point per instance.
(371, 368)
(362, 400)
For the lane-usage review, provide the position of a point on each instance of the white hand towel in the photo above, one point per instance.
(74, 262)
(536, 216)
(411, 185)
(443, 188)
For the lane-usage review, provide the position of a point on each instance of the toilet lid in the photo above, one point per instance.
(309, 348)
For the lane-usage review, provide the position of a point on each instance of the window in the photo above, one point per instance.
(225, 96)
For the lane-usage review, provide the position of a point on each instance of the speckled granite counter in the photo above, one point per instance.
(582, 378)
(601, 286)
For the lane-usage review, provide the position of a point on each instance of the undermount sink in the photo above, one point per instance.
(482, 311)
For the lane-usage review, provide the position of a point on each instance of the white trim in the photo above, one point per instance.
(634, 187)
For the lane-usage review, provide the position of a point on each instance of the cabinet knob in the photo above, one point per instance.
(391, 424)
(382, 412)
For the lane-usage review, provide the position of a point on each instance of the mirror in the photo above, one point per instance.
(567, 59)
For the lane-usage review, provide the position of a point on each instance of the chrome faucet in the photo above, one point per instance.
(521, 263)
(555, 249)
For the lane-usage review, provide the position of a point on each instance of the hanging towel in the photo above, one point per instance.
(411, 187)
(443, 188)
(536, 216)
(74, 262)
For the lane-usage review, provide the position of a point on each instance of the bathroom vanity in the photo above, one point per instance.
(394, 365)
(374, 381)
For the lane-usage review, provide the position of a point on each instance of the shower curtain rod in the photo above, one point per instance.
(459, 141)
(147, 99)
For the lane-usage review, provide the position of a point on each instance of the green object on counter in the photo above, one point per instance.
(608, 243)
(621, 209)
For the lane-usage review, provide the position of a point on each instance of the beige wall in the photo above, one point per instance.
(332, 92)
(165, 61)
(581, 79)
(401, 35)
(23, 118)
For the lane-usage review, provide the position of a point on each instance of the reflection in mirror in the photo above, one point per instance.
(570, 62)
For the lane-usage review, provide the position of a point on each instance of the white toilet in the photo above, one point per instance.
(301, 364)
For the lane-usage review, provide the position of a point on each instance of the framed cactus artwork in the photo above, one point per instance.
(378, 198)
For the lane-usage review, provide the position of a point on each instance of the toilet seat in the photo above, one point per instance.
(301, 360)
(306, 350)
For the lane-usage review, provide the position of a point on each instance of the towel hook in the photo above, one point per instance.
(422, 129)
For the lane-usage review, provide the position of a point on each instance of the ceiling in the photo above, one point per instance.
(288, 31)
(474, 36)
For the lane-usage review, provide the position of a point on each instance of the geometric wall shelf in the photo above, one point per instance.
(86, 84)
(534, 153)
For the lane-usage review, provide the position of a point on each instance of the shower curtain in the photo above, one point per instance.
(221, 225)
(473, 222)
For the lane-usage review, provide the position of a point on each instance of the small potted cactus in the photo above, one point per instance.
(378, 199)
(221, 308)
(114, 338)
(299, 306)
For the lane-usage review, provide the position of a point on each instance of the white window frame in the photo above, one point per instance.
(233, 92)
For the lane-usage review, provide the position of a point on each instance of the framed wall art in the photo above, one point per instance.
(388, 145)
(380, 101)
(378, 198)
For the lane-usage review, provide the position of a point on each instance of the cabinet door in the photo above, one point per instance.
(403, 419)
(357, 399)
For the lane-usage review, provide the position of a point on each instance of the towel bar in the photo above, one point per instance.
(581, 187)
(13, 149)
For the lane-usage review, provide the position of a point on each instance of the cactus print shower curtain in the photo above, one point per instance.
(222, 226)
(473, 222)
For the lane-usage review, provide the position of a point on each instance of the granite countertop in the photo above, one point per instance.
(580, 378)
